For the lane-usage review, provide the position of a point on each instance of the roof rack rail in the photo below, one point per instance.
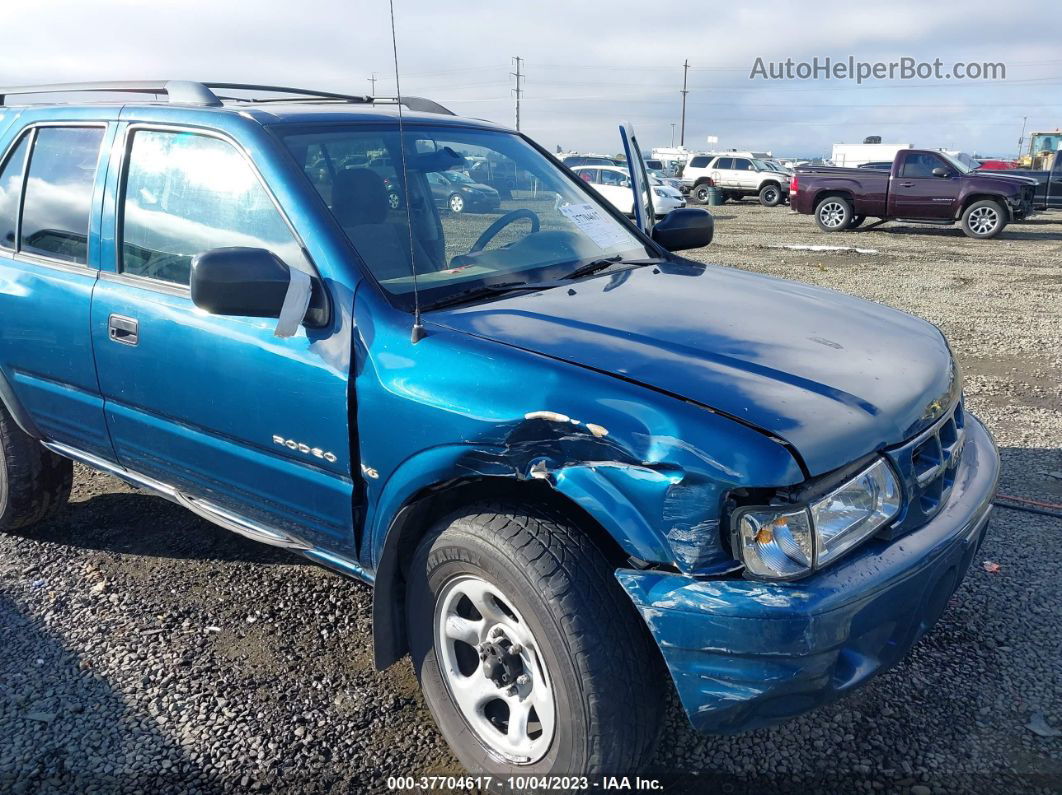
(189, 92)
(180, 91)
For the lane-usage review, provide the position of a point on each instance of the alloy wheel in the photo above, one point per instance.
(832, 214)
(983, 220)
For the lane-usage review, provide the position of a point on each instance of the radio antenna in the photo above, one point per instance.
(418, 328)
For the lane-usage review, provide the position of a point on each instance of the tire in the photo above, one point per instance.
(700, 193)
(542, 582)
(984, 219)
(833, 214)
(394, 201)
(770, 195)
(456, 203)
(34, 482)
(856, 221)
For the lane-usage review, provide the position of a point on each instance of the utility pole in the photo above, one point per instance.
(672, 135)
(519, 89)
(372, 80)
(685, 72)
(1021, 138)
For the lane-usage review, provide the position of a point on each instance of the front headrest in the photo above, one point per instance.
(359, 197)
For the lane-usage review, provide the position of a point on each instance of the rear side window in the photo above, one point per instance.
(11, 193)
(186, 194)
(700, 161)
(724, 163)
(742, 165)
(62, 170)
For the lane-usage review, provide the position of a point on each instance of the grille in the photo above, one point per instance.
(927, 465)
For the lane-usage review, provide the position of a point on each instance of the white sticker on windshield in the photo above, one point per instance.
(596, 225)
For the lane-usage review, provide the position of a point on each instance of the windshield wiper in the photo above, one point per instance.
(601, 264)
(485, 291)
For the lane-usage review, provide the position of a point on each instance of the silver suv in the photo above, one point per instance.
(737, 176)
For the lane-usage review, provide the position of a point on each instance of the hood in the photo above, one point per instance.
(834, 376)
(1003, 178)
(479, 187)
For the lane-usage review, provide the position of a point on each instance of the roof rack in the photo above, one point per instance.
(188, 92)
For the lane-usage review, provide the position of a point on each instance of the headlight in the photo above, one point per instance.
(776, 544)
(786, 541)
(847, 515)
(660, 192)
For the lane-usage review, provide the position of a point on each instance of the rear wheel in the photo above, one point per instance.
(531, 658)
(833, 214)
(770, 195)
(34, 482)
(983, 219)
(700, 193)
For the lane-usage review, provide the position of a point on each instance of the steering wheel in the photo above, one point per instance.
(492, 231)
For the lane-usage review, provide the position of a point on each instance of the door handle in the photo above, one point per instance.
(124, 330)
(906, 184)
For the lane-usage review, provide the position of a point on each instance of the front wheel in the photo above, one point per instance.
(833, 214)
(770, 195)
(456, 203)
(983, 219)
(531, 658)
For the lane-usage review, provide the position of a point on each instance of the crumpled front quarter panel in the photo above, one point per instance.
(650, 468)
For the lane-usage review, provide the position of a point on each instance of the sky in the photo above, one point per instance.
(591, 65)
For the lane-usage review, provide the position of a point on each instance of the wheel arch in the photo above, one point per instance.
(976, 197)
(826, 193)
(9, 400)
(417, 516)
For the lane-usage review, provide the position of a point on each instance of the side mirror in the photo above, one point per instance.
(248, 282)
(939, 172)
(685, 228)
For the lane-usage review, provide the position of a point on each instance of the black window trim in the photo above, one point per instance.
(43, 259)
(161, 285)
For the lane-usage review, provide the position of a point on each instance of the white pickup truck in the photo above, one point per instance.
(737, 176)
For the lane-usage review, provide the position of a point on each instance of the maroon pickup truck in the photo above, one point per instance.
(923, 186)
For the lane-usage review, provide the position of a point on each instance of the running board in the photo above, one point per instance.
(206, 510)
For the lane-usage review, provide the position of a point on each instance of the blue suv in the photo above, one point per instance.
(577, 468)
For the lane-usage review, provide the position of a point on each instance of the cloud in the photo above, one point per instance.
(588, 65)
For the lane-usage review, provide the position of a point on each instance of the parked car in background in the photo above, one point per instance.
(457, 192)
(664, 179)
(614, 184)
(737, 177)
(1048, 181)
(992, 164)
(923, 186)
(588, 160)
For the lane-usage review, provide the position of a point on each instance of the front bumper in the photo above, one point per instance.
(746, 654)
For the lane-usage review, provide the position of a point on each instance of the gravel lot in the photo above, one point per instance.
(141, 648)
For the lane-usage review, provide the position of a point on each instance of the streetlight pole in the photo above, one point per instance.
(672, 135)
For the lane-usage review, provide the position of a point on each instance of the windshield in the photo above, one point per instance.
(957, 164)
(536, 225)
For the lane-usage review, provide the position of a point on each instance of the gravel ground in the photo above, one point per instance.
(141, 648)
